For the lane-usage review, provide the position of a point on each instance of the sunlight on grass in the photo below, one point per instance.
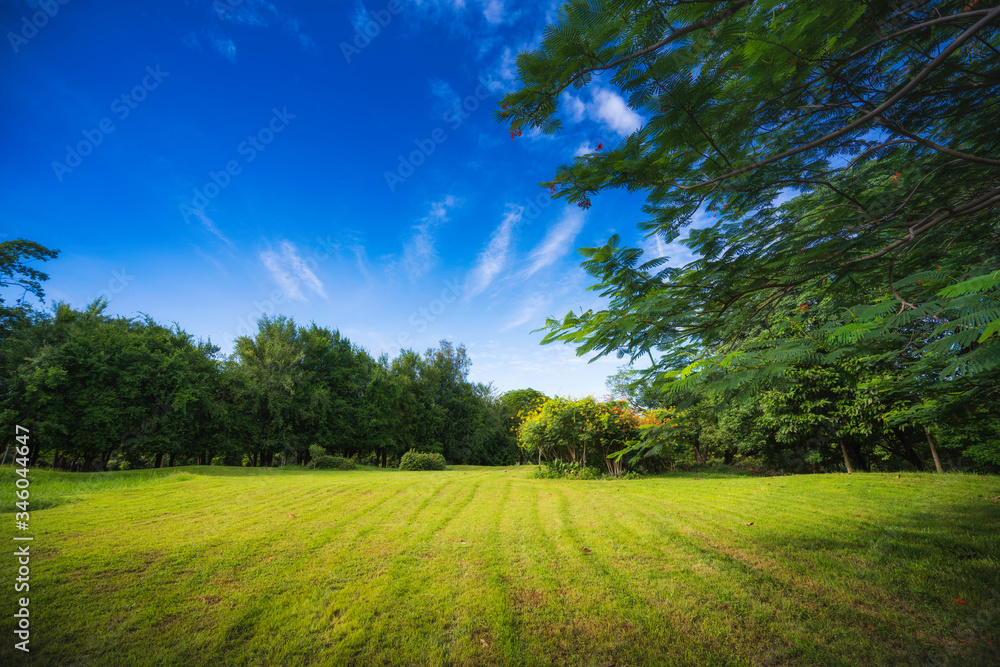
(476, 566)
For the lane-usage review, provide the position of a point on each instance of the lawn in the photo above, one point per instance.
(485, 566)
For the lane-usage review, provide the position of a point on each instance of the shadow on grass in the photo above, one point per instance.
(942, 562)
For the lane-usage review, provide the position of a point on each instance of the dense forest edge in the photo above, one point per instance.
(103, 393)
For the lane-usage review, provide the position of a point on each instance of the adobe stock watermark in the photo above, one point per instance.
(371, 29)
(119, 281)
(122, 106)
(454, 117)
(423, 317)
(30, 25)
(247, 326)
(248, 149)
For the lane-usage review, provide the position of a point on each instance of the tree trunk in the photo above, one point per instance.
(930, 441)
(520, 456)
(170, 461)
(847, 461)
(385, 459)
(159, 460)
(700, 456)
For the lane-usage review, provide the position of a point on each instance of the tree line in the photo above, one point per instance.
(98, 390)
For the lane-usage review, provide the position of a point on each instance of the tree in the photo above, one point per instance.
(99, 384)
(15, 272)
(515, 405)
(571, 430)
(873, 122)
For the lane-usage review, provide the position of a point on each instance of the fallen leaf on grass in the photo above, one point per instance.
(748, 524)
(483, 642)
(959, 601)
(291, 515)
(585, 550)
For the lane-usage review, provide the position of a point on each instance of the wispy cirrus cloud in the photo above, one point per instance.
(290, 271)
(209, 225)
(420, 251)
(557, 242)
(212, 41)
(528, 310)
(262, 14)
(493, 258)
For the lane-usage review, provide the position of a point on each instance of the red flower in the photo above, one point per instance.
(600, 146)
(584, 203)
(959, 601)
(552, 190)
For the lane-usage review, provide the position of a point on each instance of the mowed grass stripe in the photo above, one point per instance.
(202, 569)
(636, 589)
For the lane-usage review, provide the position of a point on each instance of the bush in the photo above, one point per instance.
(561, 470)
(414, 460)
(327, 462)
(343, 464)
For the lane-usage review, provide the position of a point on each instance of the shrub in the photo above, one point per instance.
(327, 462)
(414, 460)
(315, 451)
(560, 469)
(343, 464)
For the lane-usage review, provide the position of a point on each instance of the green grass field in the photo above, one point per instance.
(484, 566)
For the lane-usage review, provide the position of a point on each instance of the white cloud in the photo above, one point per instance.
(606, 107)
(494, 11)
(215, 41)
(583, 149)
(677, 253)
(529, 310)
(574, 107)
(557, 242)
(445, 94)
(290, 271)
(209, 224)
(609, 108)
(210, 258)
(262, 14)
(225, 47)
(494, 258)
(419, 253)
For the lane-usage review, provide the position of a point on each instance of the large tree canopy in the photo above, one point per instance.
(850, 153)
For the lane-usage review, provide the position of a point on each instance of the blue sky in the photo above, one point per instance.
(337, 162)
